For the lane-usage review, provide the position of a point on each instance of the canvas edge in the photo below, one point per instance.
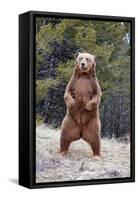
(31, 184)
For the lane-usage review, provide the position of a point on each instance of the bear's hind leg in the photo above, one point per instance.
(95, 145)
(64, 144)
(91, 134)
(70, 132)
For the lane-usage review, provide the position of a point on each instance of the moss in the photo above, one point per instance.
(39, 120)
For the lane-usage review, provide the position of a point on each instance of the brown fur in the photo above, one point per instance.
(82, 97)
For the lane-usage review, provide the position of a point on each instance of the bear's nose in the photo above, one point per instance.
(83, 65)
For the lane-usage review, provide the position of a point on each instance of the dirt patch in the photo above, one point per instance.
(78, 164)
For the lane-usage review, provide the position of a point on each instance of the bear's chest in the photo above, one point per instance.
(82, 89)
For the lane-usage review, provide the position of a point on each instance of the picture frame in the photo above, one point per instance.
(27, 99)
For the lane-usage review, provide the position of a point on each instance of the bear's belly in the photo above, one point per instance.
(82, 93)
(81, 115)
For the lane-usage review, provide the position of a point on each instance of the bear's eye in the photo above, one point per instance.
(87, 59)
(80, 58)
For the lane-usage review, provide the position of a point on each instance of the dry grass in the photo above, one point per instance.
(78, 164)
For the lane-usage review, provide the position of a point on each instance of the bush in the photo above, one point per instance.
(65, 70)
(42, 87)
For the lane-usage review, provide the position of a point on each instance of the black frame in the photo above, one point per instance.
(27, 99)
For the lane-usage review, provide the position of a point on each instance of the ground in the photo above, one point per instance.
(78, 164)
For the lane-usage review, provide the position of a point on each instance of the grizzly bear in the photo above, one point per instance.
(82, 97)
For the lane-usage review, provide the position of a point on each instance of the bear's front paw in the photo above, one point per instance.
(88, 106)
(70, 102)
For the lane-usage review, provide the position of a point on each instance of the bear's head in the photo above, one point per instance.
(85, 62)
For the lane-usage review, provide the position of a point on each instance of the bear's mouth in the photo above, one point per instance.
(84, 69)
(83, 66)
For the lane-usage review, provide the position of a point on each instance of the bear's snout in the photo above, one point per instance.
(83, 66)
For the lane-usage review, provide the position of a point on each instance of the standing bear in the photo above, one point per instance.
(82, 97)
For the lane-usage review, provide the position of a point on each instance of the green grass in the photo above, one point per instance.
(39, 120)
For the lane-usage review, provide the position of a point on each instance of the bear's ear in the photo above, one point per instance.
(76, 64)
(94, 63)
(77, 54)
(94, 57)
